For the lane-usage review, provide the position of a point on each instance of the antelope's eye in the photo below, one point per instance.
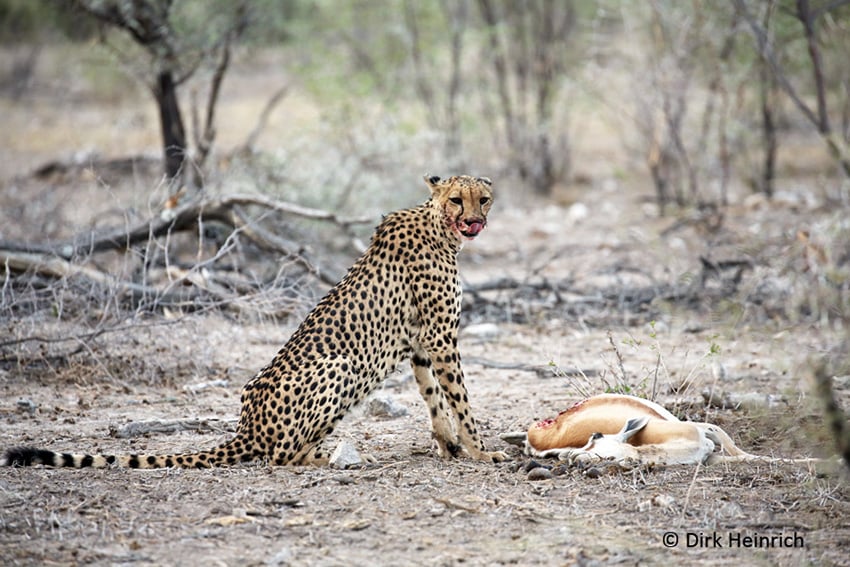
(484, 200)
(456, 200)
(596, 436)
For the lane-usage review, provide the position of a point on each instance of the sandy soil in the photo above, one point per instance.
(411, 507)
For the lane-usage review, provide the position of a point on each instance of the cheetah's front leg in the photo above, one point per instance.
(450, 376)
(442, 424)
(437, 343)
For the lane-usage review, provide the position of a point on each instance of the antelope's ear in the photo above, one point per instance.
(631, 427)
(432, 182)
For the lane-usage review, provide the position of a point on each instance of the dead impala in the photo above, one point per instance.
(628, 428)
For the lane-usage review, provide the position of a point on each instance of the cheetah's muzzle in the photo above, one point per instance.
(471, 228)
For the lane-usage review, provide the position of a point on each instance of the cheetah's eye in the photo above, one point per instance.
(456, 200)
(484, 200)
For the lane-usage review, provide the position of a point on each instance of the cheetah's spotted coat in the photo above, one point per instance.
(400, 300)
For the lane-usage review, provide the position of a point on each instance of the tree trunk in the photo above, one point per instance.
(173, 133)
(768, 125)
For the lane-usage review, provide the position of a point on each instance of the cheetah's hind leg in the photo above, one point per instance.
(322, 453)
(317, 455)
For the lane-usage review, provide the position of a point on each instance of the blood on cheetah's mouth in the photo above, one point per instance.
(470, 229)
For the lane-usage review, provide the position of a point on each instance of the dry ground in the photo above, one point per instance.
(411, 508)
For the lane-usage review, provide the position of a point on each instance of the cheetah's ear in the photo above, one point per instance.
(485, 181)
(432, 181)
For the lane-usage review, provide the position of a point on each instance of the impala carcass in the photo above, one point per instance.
(628, 428)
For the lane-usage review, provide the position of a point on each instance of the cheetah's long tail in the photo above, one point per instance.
(232, 452)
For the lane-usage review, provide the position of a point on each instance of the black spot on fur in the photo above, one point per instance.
(453, 448)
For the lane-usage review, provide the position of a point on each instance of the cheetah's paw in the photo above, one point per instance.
(490, 456)
(498, 456)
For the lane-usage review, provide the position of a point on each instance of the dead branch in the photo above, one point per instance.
(541, 370)
(194, 289)
(52, 266)
(52, 359)
(521, 300)
(205, 138)
(293, 209)
(262, 121)
(157, 427)
(185, 217)
(114, 166)
(184, 288)
(512, 284)
(274, 243)
(82, 338)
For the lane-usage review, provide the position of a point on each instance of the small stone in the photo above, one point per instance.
(517, 438)
(344, 479)
(386, 406)
(539, 473)
(731, 510)
(26, 404)
(663, 501)
(532, 464)
(357, 525)
(282, 558)
(577, 212)
(397, 381)
(593, 472)
(559, 470)
(201, 386)
(345, 456)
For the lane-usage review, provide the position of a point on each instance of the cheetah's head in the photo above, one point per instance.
(464, 202)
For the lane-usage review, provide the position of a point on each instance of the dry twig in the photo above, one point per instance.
(57, 260)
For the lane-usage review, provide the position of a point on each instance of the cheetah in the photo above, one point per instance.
(400, 300)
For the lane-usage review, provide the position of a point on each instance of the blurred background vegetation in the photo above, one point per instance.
(702, 97)
(693, 107)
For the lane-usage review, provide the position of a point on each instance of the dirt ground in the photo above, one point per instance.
(410, 507)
